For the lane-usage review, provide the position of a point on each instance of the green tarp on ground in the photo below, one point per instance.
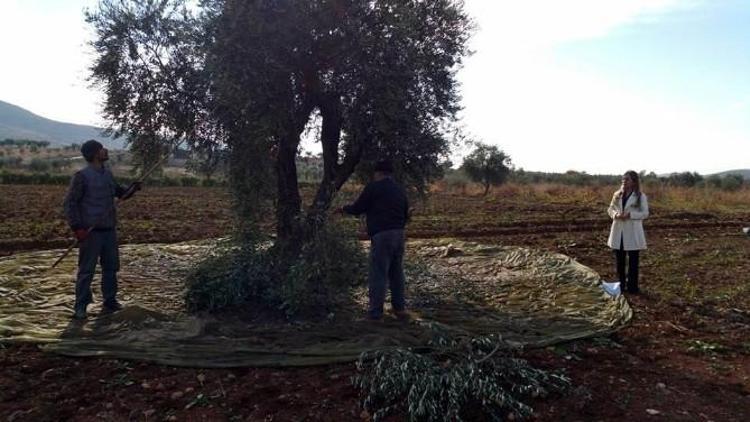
(530, 297)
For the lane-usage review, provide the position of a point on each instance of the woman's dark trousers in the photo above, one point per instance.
(628, 282)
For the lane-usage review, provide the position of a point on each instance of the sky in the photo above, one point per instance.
(600, 86)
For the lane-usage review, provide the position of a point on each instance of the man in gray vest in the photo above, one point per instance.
(90, 211)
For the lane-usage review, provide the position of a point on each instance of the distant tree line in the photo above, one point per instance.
(486, 165)
(8, 178)
(23, 143)
(489, 166)
(570, 177)
(729, 182)
(36, 165)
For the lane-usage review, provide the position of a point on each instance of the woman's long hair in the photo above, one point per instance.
(636, 187)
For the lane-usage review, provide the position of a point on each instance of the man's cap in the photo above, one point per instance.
(384, 166)
(90, 148)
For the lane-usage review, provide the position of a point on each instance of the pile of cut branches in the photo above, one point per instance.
(456, 378)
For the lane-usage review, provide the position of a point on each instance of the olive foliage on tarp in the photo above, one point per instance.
(532, 298)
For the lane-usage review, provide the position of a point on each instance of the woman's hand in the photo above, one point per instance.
(621, 216)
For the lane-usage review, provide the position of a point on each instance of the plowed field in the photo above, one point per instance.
(685, 356)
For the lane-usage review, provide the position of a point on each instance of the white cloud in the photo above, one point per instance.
(45, 61)
(550, 117)
(558, 120)
(533, 24)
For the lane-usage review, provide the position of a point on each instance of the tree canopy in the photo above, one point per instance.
(248, 77)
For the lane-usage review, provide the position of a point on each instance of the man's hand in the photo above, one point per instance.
(133, 188)
(81, 234)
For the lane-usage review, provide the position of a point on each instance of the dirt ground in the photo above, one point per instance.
(684, 357)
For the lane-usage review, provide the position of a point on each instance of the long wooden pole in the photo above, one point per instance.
(88, 231)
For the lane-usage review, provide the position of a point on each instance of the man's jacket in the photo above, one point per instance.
(91, 199)
(385, 204)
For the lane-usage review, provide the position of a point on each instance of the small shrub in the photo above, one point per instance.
(732, 182)
(714, 181)
(456, 180)
(38, 165)
(189, 181)
(58, 164)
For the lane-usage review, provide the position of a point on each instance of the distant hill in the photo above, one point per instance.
(745, 173)
(19, 123)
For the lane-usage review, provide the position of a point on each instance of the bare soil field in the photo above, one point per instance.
(33, 216)
(685, 356)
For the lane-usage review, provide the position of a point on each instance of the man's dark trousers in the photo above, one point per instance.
(386, 263)
(100, 245)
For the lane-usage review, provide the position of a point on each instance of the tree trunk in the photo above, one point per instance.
(334, 174)
(330, 138)
(289, 206)
(289, 201)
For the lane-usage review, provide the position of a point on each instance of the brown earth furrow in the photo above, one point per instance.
(559, 228)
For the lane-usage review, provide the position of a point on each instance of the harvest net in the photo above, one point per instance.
(530, 297)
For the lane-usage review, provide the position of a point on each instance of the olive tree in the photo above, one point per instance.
(248, 76)
(488, 165)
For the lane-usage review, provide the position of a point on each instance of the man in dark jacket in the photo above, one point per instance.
(385, 204)
(90, 211)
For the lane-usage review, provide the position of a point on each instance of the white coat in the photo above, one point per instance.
(630, 230)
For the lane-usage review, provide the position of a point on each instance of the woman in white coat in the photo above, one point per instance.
(628, 209)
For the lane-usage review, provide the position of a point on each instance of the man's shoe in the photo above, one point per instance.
(370, 318)
(112, 307)
(402, 315)
(80, 314)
